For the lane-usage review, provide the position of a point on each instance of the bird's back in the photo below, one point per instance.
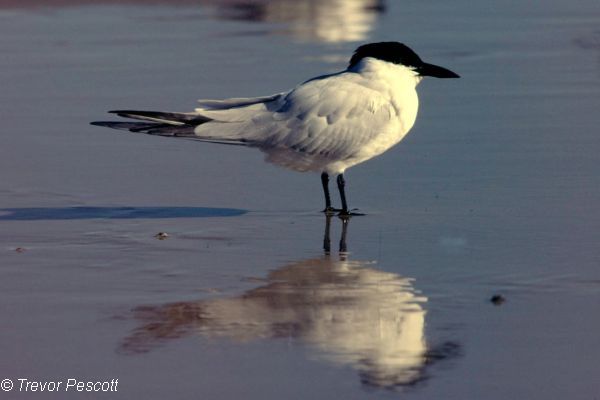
(325, 124)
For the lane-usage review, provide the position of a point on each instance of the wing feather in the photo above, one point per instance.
(334, 116)
(207, 104)
(336, 119)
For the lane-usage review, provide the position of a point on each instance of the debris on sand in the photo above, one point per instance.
(161, 235)
(497, 299)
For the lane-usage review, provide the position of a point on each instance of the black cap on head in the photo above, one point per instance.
(399, 53)
(394, 52)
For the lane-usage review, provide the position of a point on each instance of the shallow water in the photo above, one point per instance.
(495, 191)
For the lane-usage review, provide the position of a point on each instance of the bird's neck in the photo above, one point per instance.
(396, 83)
(382, 70)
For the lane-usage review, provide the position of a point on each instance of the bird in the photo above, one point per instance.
(326, 124)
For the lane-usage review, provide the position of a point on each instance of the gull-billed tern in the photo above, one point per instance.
(326, 124)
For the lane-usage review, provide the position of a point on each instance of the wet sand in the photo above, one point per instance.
(494, 192)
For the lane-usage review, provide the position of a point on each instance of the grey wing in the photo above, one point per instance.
(333, 117)
(236, 102)
(324, 120)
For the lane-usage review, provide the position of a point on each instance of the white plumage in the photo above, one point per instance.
(327, 124)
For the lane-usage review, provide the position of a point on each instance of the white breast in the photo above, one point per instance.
(397, 86)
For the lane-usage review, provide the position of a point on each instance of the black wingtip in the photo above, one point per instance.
(101, 123)
(128, 113)
(135, 114)
(124, 126)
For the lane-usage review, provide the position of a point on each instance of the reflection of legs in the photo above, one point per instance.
(326, 239)
(343, 247)
(327, 235)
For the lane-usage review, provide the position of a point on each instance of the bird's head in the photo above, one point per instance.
(400, 54)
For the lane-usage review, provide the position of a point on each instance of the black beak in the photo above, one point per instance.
(435, 71)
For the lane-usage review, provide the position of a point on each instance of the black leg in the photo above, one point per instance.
(325, 183)
(341, 183)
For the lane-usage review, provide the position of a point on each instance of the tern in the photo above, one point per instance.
(326, 124)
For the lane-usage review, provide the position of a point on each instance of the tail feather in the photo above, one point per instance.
(157, 122)
(151, 128)
(229, 121)
(171, 118)
(181, 125)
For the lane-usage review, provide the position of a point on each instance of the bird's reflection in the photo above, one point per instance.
(330, 21)
(348, 312)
